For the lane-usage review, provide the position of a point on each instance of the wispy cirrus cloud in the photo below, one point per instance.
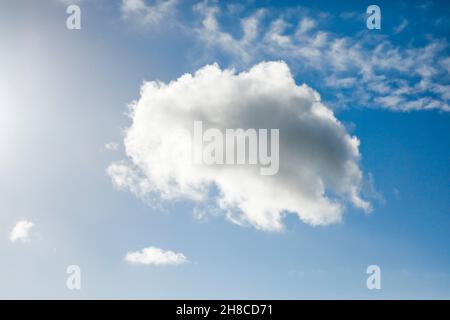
(148, 12)
(361, 69)
(111, 146)
(402, 26)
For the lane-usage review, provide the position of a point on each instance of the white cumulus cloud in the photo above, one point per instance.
(318, 173)
(21, 231)
(155, 256)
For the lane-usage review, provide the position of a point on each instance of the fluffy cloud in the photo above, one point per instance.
(318, 168)
(147, 14)
(155, 256)
(21, 231)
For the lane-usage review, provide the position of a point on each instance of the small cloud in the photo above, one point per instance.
(306, 24)
(401, 26)
(148, 14)
(111, 146)
(370, 191)
(21, 231)
(155, 256)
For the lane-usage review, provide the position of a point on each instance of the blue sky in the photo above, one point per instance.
(64, 95)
